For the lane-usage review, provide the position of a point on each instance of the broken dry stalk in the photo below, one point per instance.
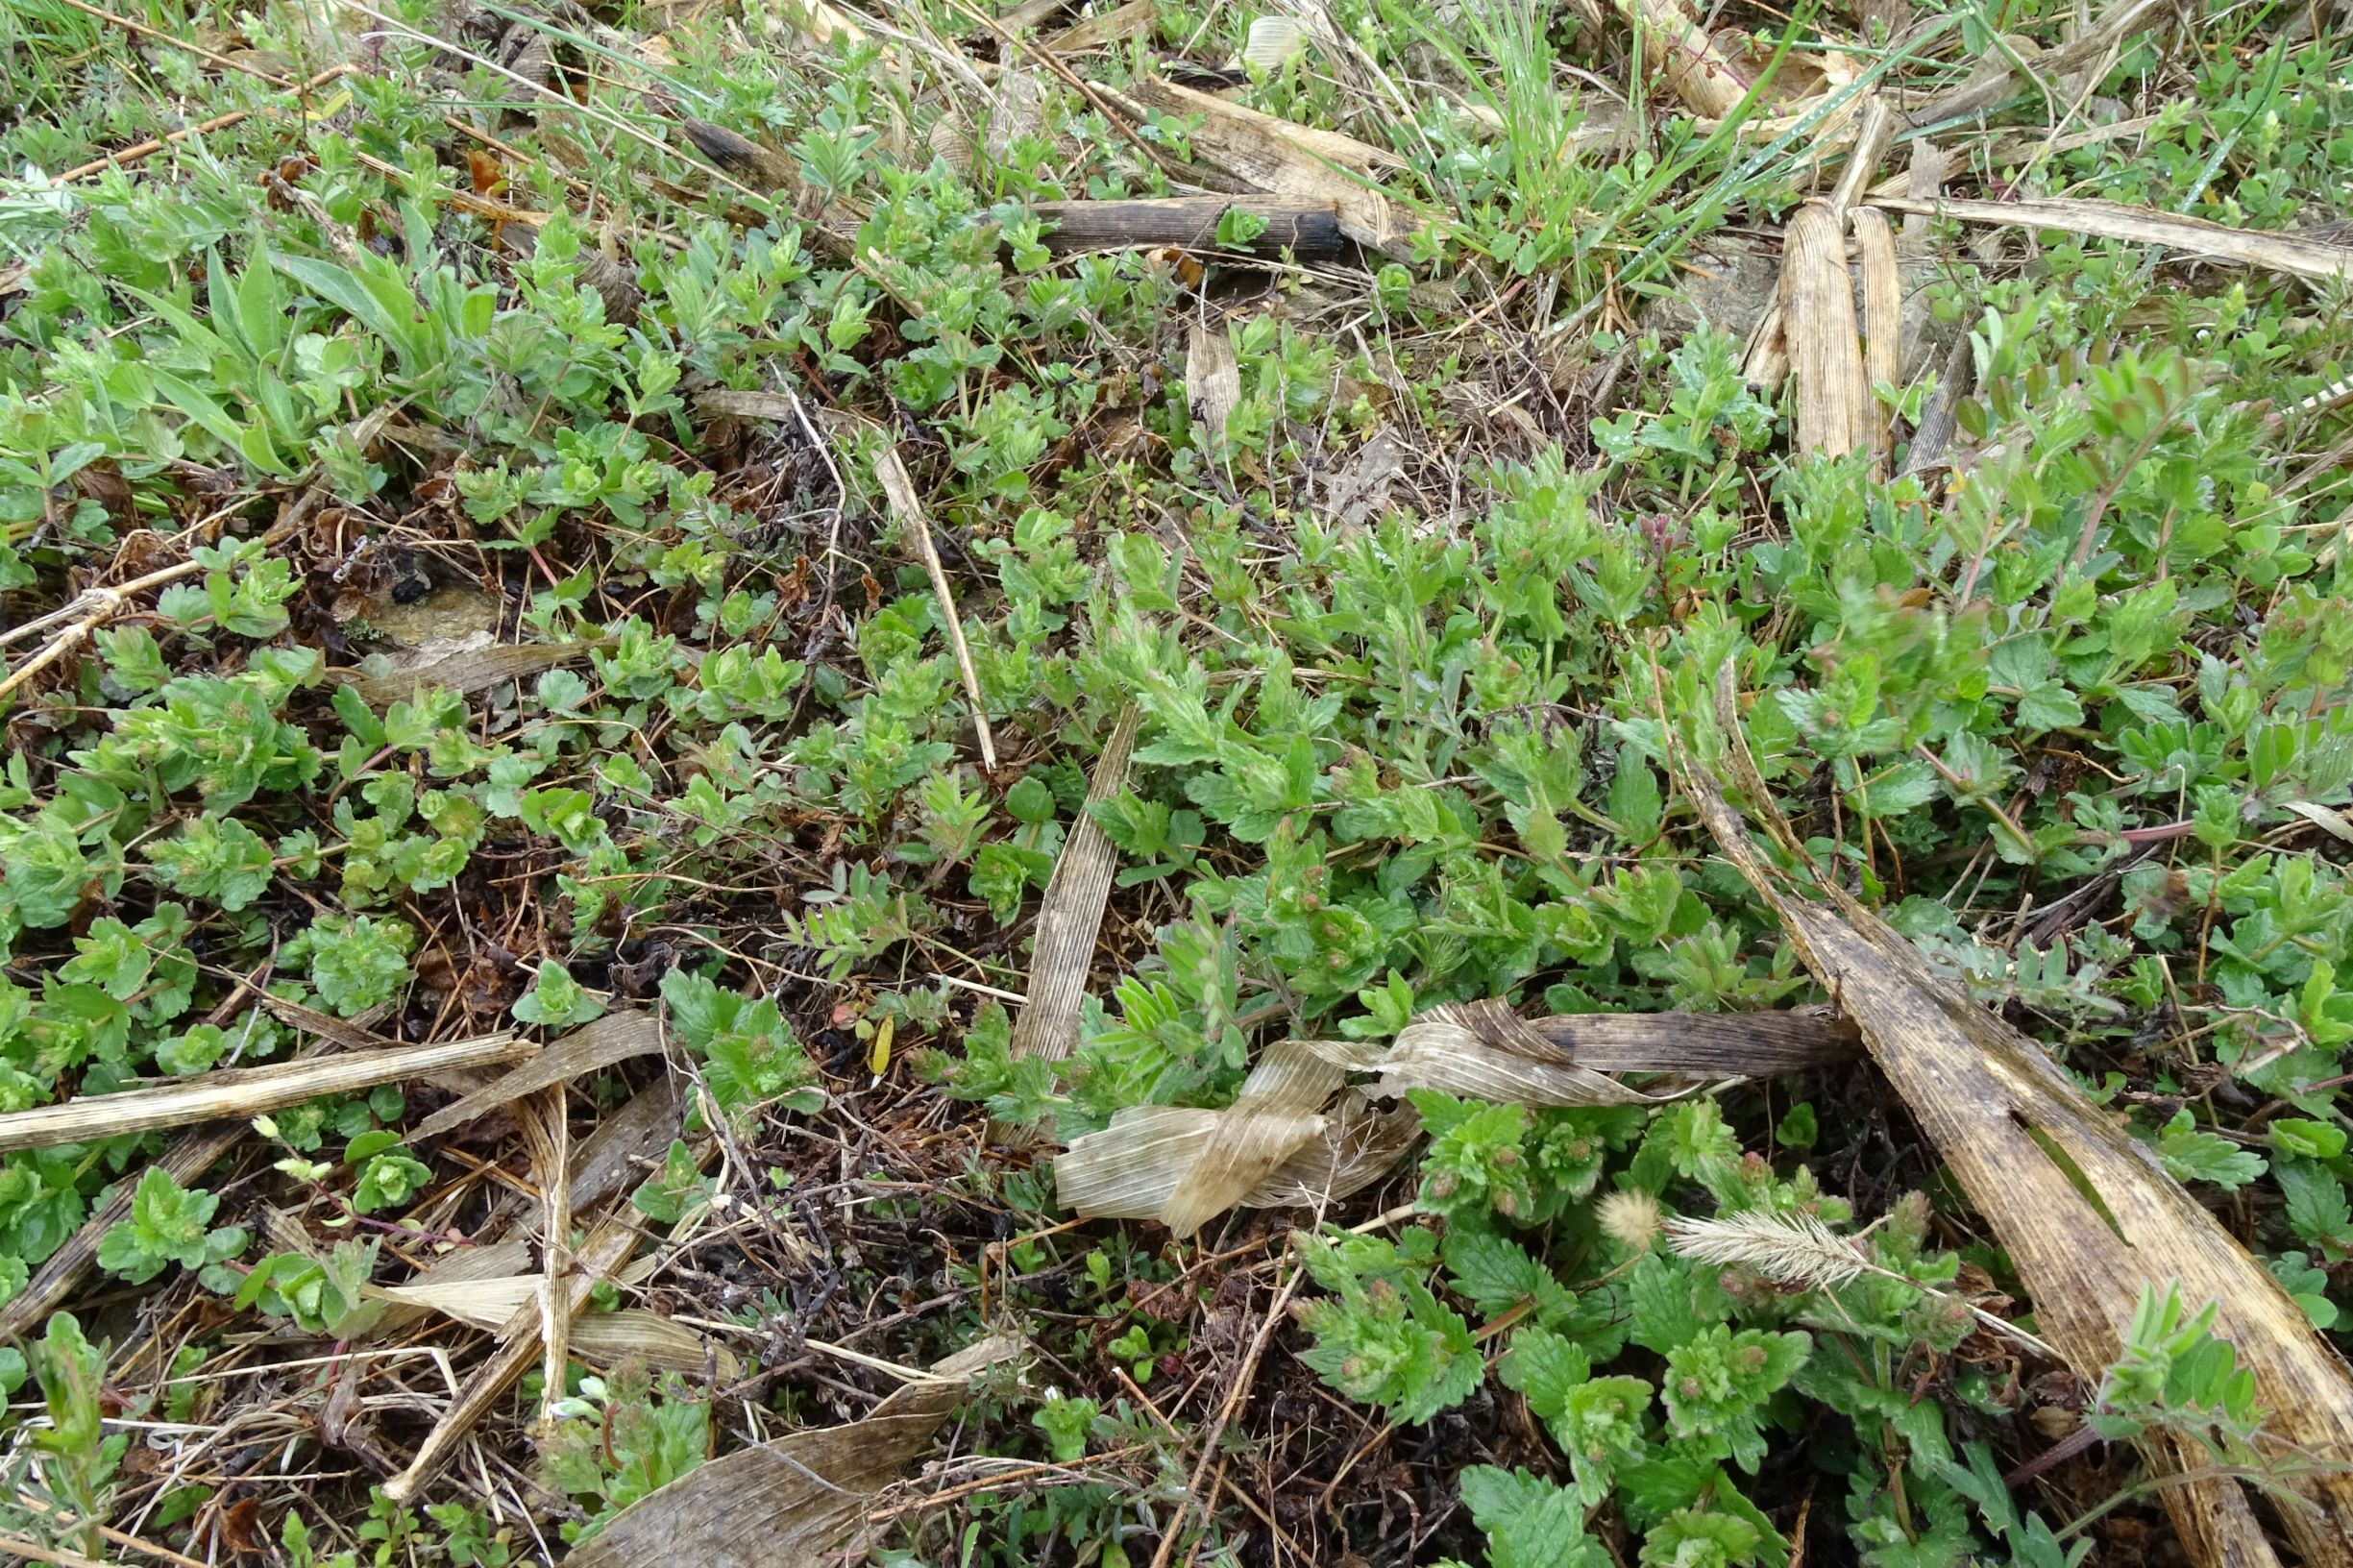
(245, 1091)
(2297, 254)
(90, 610)
(2028, 1150)
(1825, 349)
(613, 1038)
(900, 492)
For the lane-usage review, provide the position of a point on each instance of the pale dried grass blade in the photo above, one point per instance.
(1278, 1110)
(1213, 379)
(1453, 1058)
(2028, 1150)
(2299, 256)
(518, 1347)
(1127, 1170)
(1825, 348)
(599, 1338)
(549, 1137)
(1359, 1145)
(615, 1037)
(245, 1091)
(1070, 916)
(1131, 1169)
(1294, 1137)
(1133, 21)
(799, 1502)
(1484, 1050)
(462, 1267)
(899, 490)
(1874, 244)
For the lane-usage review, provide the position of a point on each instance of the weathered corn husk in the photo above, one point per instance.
(1295, 1136)
(1826, 347)
(2029, 1151)
(1070, 916)
(798, 1502)
(1875, 243)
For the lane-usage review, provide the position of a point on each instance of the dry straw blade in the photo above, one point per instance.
(799, 1502)
(2297, 254)
(2087, 1214)
(1070, 916)
(899, 491)
(601, 1339)
(1278, 1110)
(1133, 1169)
(247, 1091)
(615, 1037)
(1295, 1136)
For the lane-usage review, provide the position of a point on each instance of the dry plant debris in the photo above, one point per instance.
(707, 704)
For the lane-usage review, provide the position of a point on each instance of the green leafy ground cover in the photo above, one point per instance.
(2068, 707)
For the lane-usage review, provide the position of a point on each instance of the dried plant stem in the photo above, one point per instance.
(2297, 254)
(87, 612)
(899, 490)
(245, 1091)
(219, 122)
(556, 1255)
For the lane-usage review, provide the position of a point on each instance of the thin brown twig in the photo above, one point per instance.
(1243, 1377)
(119, 1537)
(192, 47)
(219, 122)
